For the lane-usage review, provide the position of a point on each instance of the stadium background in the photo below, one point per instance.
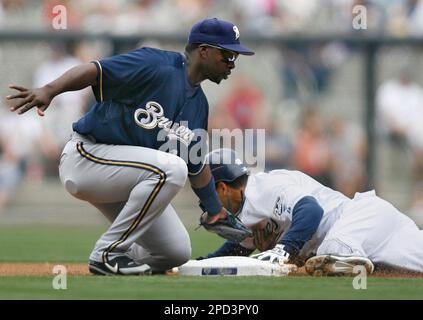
(317, 85)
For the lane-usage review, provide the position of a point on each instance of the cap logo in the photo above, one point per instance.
(235, 28)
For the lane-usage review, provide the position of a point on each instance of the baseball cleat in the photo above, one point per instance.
(121, 265)
(330, 265)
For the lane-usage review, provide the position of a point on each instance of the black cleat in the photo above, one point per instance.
(121, 265)
(330, 265)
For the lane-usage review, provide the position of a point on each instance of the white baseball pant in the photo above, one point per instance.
(372, 227)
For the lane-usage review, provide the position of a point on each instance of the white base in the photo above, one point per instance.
(233, 266)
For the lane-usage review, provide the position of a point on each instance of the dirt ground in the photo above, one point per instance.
(73, 269)
(40, 269)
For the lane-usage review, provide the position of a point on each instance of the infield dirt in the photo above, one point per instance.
(79, 269)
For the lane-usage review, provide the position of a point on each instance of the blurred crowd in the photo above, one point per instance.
(328, 147)
(29, 146)
(400, 112)
(266, 17)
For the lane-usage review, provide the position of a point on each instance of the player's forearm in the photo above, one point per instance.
(203, 186)
(230, 248)
(202, 179)
(77, 78)
(306, 218)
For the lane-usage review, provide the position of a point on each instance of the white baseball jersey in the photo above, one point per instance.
(274, 195)
(364, 226)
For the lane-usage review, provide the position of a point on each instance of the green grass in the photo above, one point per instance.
(47, 243)
(70, 243)
(208, 288)
(73, 244)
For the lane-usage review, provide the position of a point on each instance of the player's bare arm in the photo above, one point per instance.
(74, 79)
(201, 180)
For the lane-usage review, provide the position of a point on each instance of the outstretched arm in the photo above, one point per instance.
(74, 79)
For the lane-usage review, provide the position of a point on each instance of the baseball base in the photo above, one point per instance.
(233, 266)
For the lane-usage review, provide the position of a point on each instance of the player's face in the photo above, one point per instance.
(219, 63)
(231, 198)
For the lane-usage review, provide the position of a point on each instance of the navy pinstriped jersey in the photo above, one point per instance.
(144, 99)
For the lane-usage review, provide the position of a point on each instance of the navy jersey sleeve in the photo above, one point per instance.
(122, 75)
(229, 248)
(306, 218)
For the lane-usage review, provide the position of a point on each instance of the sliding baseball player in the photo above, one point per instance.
(294, 218)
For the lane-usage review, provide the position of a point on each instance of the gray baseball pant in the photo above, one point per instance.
(132, 186)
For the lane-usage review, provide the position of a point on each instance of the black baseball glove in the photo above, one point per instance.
(230, 228)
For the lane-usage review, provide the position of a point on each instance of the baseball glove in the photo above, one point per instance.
(230, 228)
(266, 234)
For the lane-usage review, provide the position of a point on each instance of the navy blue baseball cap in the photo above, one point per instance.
(226, 165)
(218, 33)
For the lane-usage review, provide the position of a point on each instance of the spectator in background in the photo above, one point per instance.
(60, 118)
(12, 12)
(416, 208)
(74, 14)
(376, 16)
(415, 17)
(24, 145)
(406, 18)
(279, 147)
(1, 14)
(10, 172)
(392, 112)
(12, 4)
(266, 17)
(349, 150)
(258, 16)
(312, 153)
(306, 71)
(400, 116)
(243, 109)
(245, 104)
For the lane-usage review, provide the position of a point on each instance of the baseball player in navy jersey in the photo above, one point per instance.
(294, 217)
(115, 159)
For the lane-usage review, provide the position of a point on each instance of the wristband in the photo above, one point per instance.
(209, 198)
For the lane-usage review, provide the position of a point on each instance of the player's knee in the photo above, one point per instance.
(181, 255)
(76, 188)
(180, 252)
(177, 172)
(339, 247)
(175, 168)
(71, 187)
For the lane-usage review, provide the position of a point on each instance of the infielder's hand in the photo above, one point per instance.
(220, 216)
(27, 99)
(275, 255)
(230, 227)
